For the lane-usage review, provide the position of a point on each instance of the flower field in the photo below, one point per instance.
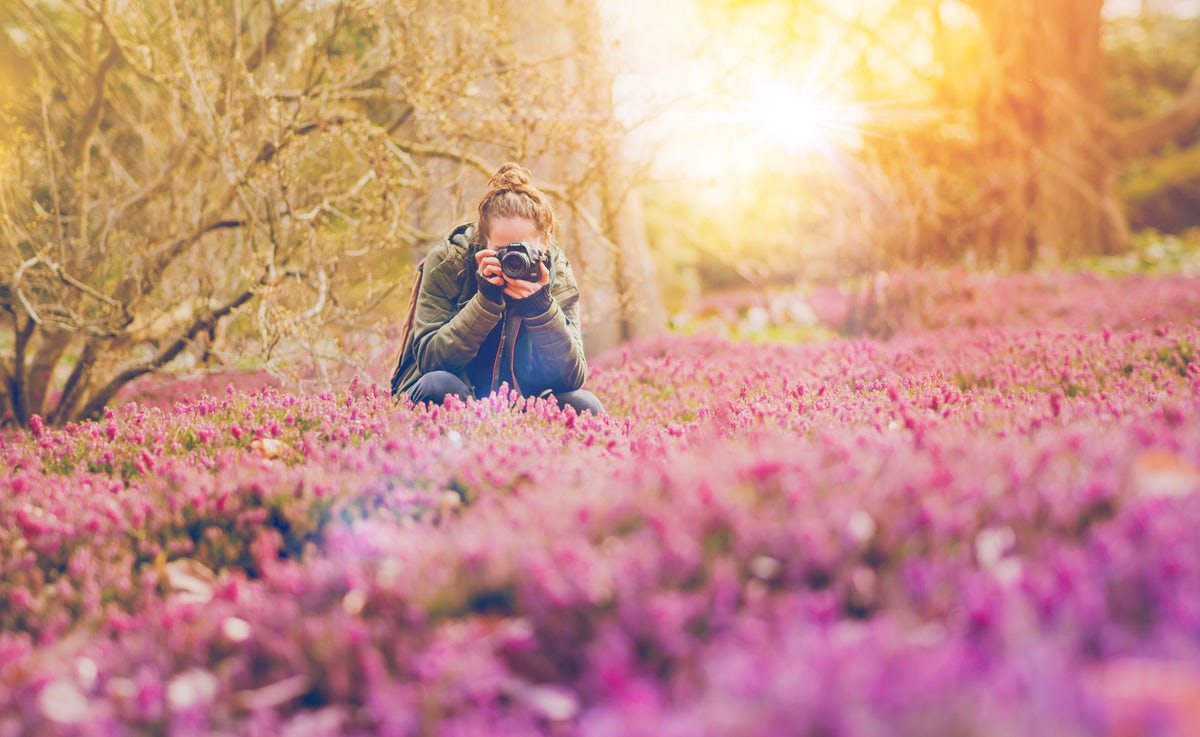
(982, 527)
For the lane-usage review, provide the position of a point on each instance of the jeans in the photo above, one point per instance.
(435, 386)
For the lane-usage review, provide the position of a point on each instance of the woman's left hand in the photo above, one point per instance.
(520, 289)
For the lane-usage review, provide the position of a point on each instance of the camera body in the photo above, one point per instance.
(519, 260)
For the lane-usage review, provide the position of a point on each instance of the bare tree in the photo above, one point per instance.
(198, 180)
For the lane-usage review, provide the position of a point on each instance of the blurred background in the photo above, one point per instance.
(205, 186)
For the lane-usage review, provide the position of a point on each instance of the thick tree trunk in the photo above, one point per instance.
(1047, 150)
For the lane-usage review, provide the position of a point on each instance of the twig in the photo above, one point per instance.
(203, 322)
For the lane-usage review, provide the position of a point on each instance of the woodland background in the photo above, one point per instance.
(209, 185)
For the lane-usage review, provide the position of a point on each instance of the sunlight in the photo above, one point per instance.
(800, 118)
(718, 105)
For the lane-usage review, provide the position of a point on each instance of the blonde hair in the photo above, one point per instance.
(511, 194)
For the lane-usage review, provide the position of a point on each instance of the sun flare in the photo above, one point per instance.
(723, 104)
(799, 117)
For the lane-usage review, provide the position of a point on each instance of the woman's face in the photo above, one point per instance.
(505, 230)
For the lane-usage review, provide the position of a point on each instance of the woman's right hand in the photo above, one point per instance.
(489, 266)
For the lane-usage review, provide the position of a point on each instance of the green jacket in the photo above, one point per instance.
(540, 354)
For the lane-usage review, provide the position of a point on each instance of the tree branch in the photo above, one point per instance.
(48, 140)
(51, 347)
(52, 35)
(1145, 134)
(17, 380)
(72, 390)
(64, 277)
(269, 150)
(420, 149)
(16, 290)
(6, 381)
(202, 323)
(168, 251)
(583, 215)
(135, 202)
(165, 253)
(91, 118)
(484, 168)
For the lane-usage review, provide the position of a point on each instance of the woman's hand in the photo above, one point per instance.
(520, 289)
(489, 266)
(489, 269)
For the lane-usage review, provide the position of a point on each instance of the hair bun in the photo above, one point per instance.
(511, 193)
(510, 176)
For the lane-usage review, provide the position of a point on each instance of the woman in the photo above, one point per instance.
(478, 325)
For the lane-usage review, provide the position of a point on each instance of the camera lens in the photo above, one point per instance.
(514, 263)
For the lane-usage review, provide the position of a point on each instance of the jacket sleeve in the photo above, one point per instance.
(446, 336)
(558, 362)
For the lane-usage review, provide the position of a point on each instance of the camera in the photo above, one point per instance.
(519, 260)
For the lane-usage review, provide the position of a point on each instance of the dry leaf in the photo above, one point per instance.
(274, 695)
(269, 447)
(1162, 473)
(190, 581)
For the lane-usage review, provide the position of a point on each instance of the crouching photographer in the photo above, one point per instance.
(497, 304)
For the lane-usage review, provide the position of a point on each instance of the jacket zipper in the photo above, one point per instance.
(499, 350)
(511, 355)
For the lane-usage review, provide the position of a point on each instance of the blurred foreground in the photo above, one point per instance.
(980, 527)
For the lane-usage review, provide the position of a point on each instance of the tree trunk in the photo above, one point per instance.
(1047, 153)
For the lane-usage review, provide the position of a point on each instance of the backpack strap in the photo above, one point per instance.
(406, 330)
